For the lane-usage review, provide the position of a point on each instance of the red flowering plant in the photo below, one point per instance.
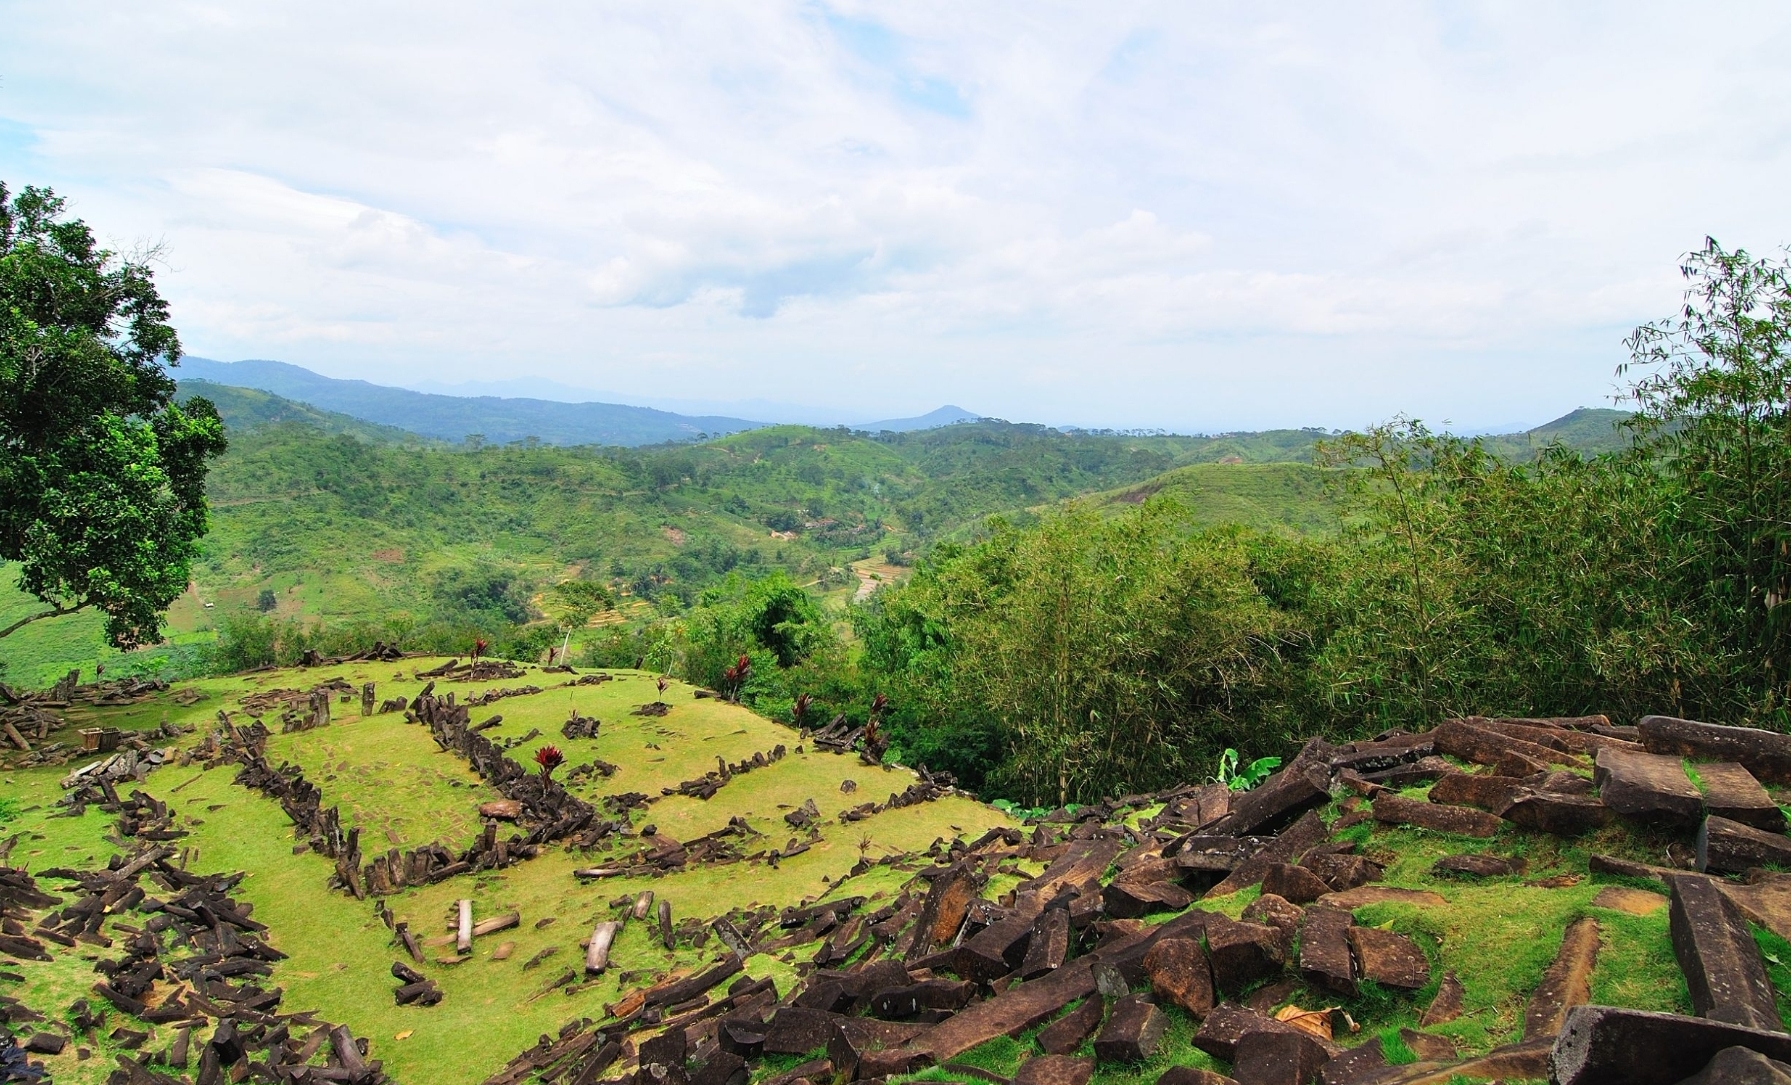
(549, 758)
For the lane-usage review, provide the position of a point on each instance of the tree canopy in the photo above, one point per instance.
(102, 474)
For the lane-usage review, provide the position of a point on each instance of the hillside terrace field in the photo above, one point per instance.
(391, 777)
(1497, 938)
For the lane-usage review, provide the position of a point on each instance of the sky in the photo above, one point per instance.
(1187, 216)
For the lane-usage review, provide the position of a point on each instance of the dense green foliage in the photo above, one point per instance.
(102, 475)
(1084, 655)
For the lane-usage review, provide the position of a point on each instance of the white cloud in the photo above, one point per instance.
(1179, 215)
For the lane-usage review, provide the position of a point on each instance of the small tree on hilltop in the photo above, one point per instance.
(102, 473)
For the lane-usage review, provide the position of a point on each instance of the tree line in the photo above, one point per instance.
(1085, 655)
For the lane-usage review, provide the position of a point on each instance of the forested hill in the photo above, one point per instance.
(322, 517)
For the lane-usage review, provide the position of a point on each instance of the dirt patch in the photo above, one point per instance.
(675, 534)
(391, 555)
(1140, 495)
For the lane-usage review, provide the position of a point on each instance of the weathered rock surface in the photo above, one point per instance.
(1277, 1058)
(1054, 1070)
(1730, 791)
(1068, 1032)
(1553, 812)
(1446, 1006)
(1325, 959)
(1739, 1066)
(1478, 866)
(1462, 820)
(1649, 786)
(1731, 847)
(1389, 959)
(1766, 754)
(1567, 981)
(1293, 883)
(1723, 968)
(1132, 1032)
(1607, 1045)
(1179, 974)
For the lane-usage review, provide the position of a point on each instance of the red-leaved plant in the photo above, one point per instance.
(549, 758)
(799, 710)
(736, 676)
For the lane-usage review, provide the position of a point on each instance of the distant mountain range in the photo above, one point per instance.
(495, 419)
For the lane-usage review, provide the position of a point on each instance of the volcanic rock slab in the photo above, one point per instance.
(1068, 1032)
(1722, 965)
(1766, 754)
(1566, 983)
(1461, 820)
(1325, 959)
(1132, 1033)
(1556, 813)
(1732, 847)
(1730, 791)
(1179, 973)
(1391, 960)
(1054, 1070)
(1649, 786)
(1606, 1045)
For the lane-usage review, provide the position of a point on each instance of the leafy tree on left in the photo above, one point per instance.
(102, 474)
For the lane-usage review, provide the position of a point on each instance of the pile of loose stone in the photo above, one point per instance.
(1083, 950)
(183, 998)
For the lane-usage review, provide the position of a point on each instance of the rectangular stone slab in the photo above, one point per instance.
(1566, 983)
(1462, 820)
(1277, 1058)
(1018, 1008)
(1730, 791)
(1732, 847)
(1068, 1032)
(947, 900)
(1389, 959)
(1281, 798)
(995, 950)
(1325, 959)
(1766, 901)
(1459, 738)
(1606, 1045)
(1650, 786)
(1552, 812)
(1722, 965)
(1048, 946)
(1085, 861)
(1766, 754)
(1482, 790)
(1229, 1022)
(1290, 845)
(1132, 1032)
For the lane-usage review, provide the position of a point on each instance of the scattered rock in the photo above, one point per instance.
(1649, 786)
(1132, 1032)
(1731, 847)
(1446, 1006)
(1389, 959)
(1566, 983)
(1722, 965)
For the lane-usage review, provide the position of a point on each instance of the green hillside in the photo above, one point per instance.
(347, 522)
(245, 410)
